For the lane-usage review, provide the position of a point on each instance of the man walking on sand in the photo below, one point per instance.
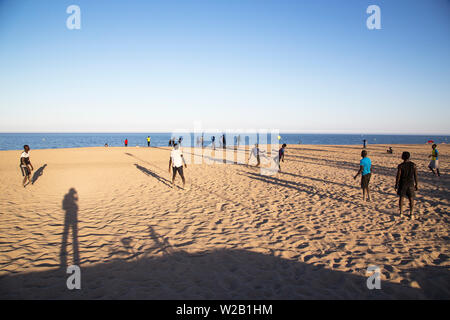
(406, 183)
(126, 142)
(434, 163)
(365, 167)
(25, 165)
(148, 141)
(280, 156)
(176, 163)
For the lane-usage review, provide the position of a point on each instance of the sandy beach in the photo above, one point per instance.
(233, 233)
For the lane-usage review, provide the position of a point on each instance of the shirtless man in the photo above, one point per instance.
(406, 183)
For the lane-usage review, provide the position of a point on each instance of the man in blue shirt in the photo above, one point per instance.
(365, 169)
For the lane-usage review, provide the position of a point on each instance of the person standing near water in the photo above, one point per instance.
(176, 162)
(434, 163)
(25, 165)
(213, 142)
(126, 142)
(406, 183)
(148, 141)
(364, 143)
(365, 169)
(224, 142)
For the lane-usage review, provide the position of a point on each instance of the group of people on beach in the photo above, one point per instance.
(125, 142)
(406, 181)
(256, 153)
(222, 141)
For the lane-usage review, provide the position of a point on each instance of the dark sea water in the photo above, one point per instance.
(15, 141)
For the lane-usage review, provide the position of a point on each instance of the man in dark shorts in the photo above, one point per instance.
(176, 163)
(406, 183)
(280, 156)
(365, 169)
(224, 142)
(25, 165)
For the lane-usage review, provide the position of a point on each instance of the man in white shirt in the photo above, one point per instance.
(25, 165)
(176, 163)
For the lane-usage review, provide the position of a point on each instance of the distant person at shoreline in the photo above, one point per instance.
(434, 163)
(406, 183)
(126, 142)
(365, 167)
(224, 142)
(390, 151)
(213, 142)
(25, 165)
(176, 162)
(148, 141)
(106, 145)
(364, 143)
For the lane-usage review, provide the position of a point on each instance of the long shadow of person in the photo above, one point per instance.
(70, 205)
(38, 173)
(154, 175)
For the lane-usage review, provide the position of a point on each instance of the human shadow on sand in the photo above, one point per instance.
(154, 175)
(70, 206)
(38, 173)
(218, 274)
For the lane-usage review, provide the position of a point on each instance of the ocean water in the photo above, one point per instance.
(15, 141)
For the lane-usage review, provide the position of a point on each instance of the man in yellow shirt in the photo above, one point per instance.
(434, 163)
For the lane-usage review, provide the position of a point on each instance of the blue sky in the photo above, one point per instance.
(298, 66)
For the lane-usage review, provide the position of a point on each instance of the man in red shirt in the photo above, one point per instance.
(126, 142)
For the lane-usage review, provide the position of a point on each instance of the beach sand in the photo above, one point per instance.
(231, 234)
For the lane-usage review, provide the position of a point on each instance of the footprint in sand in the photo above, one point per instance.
(221, 206)
(261, 223)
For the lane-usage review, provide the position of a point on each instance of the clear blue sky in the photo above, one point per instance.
(302, 66)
